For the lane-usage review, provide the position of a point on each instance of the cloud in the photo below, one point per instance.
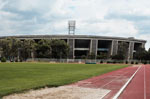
(109, 27)
(124, 18)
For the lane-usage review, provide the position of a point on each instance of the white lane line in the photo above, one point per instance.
(144, 84)
(125, 85)
(117, 77)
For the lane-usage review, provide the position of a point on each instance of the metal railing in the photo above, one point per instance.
(85, 61)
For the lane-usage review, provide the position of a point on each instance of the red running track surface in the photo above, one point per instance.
(112, 81)
(147, 81)
(139, 87)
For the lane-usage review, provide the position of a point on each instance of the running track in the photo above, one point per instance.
(112, 81)
(139, 87)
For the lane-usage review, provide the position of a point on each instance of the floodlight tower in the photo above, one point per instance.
(71, 27)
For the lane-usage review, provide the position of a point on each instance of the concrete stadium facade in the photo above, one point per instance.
(84, 44)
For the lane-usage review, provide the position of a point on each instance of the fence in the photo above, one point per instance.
(85, 61)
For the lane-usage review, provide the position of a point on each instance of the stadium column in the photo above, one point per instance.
(143, 45)
(71, 43)
(94, 46)
(91, 46)
(114, 47)
(32, 55)
(131, 49)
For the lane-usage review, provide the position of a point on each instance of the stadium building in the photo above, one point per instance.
(84, 44)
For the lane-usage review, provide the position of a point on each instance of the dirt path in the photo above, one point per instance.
(65, 92)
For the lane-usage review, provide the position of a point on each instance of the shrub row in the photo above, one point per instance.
(126, 62)
(3, 59)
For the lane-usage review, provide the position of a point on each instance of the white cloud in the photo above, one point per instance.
(2, 3)
(7, 15)
(29, 5)
(51, 16)
(107, 27)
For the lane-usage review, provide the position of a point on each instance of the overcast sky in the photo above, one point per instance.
(125, 18)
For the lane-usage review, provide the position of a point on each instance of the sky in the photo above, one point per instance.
(121, 18)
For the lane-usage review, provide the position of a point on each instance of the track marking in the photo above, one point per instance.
(112, 81)
(125, 85)
(117, 77)
(144, 84)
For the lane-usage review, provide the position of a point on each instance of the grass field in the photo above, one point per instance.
(18, 77)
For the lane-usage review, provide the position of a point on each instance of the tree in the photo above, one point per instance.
(27, 49)
(59, 48)
(10, 47)
(141, 54)
(122, 51)
(43, 49)
(15, 49)
(102, 56)
(83, 57)
(148, 54)
(91, 56)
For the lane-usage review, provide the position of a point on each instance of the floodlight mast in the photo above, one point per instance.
(71, 27)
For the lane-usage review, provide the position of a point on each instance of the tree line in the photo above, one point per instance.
(141, 54)
(122, 54)
(14, 49)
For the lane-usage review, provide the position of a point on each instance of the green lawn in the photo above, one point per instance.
(18, 77)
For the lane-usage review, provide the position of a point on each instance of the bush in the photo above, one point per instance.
(145, 62)
(120, 62)
(102, 56)
(83, 57)
(136, 63)
(114, 62)
(21, 60)
(108, 62)
(16, 60)
(126, 62)
(91, 56)
(3, 59)
(101, 62)
(132, 62)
